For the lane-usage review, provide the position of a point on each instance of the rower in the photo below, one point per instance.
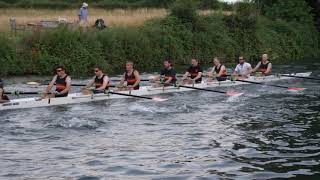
(131, 77)
(219, 70)
(3, 98)
(193, 73)
(62, 81)
(243, 69)
(264, 66)
(167, 75)
(99, 83)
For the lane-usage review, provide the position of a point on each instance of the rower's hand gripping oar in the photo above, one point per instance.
(273, 85)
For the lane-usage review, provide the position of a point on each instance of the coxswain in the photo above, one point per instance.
(98, 84)
(131, 78)
(218, 71)
(243, 69)
(193, 73)
(62, 81)
(264, 66)
(3, 98)
(167, 75)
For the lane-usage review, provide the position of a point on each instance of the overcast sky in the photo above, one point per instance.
(230, 0)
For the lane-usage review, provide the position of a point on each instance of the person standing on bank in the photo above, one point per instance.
(83, 16)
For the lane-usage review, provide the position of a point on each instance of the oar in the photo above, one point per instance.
(136, 96)
(120, 80)
(76, 85)
(80, 85)
(210, 90)
(301, 77)
(273, 85)
(17, 93)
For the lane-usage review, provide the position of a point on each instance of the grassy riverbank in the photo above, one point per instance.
(114, 17)
(180, 35)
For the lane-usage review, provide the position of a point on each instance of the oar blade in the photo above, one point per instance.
(159, 99)
(294, 89)
(233, 93)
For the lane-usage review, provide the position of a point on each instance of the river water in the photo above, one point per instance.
(266, 133)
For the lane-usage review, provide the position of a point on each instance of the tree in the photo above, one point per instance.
(288, 10)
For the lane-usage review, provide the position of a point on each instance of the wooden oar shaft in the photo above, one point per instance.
(201, 89)
(301, 77)
(279, 86)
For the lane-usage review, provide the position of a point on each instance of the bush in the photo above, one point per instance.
(108, 4)
(121, 44)
(286, 41)
(7, 56)
(77, 51)
(180, 36)
(185, 10)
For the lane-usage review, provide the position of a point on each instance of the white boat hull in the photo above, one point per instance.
(143, 91)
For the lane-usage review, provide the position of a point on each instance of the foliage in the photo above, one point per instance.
(107, 4)
(185, 10)
(180, 36)
(288, 10)
(7, 56)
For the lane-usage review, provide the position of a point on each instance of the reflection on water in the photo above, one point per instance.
(266, 133)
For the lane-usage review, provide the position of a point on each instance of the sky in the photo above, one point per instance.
(230, 0)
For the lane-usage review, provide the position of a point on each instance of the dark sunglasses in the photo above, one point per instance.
(241, 59)
(96, 70)
(59, 70)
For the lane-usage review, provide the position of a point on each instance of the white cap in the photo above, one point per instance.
(84, 4)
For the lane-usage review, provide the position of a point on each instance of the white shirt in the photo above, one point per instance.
(243, 69)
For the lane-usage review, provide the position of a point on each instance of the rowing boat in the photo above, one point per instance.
(74, 98)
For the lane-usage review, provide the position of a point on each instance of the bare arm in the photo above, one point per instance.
(168, 80)
(1, 99)
(157, 78)
(223, 68)
(51, 84)
(198, 76)
(104, 84)
(269, 68)
(257, 67)
(138, 78)
(210, 73)
(122, 80)
(68, 86)
(185, 76)
(90, 83)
